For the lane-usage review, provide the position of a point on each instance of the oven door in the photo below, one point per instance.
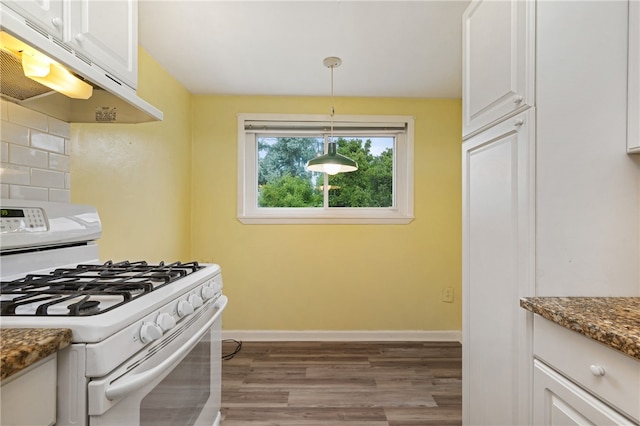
(176, 382)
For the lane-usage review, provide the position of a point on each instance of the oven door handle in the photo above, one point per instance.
(140, 380)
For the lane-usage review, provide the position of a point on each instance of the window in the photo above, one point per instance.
(275, 187)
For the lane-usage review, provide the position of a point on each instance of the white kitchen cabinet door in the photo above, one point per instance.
(107, 33)
(498, 61)
(45, 14)
(633, 116)
(557, 401)
(498, 226)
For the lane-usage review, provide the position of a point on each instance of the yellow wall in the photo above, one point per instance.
(138, 175)
(167, 191)
(295, 277)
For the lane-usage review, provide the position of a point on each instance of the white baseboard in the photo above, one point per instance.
(344, 336)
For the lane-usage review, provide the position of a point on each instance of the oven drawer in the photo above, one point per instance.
(602, 371)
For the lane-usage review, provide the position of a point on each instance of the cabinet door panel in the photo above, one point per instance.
(107, 32)
(497, 61)
(497, 262)
(45, 14)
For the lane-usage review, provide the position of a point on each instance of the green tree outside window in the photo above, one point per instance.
(283, 180)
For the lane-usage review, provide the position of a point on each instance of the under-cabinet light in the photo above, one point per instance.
(39, 67)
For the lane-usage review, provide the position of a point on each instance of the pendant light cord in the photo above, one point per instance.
(332, 108)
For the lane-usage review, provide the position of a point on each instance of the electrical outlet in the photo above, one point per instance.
(447, 295)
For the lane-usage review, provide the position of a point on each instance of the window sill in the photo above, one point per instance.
(325, 220)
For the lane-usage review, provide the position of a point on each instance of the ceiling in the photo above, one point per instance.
(388, 48)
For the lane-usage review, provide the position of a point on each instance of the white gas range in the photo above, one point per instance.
(146, 346)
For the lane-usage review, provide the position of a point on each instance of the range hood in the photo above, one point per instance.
(112, 101)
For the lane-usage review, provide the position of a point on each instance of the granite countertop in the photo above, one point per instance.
(614, 321)
(21, 347)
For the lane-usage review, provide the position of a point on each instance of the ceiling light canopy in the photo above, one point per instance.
(331, 162)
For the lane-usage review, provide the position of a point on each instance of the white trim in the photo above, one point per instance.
(341, 336)
(310, 118)
(249, 213)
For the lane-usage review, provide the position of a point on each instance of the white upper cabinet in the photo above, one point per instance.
(633, 116)
(497, 62)
(104, 33)
(46, 14)
(107, 33)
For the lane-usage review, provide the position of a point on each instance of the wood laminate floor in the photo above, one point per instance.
(342, 383)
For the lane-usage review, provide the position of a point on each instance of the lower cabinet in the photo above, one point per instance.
(579, 381)
(558, 401)
(29, 397)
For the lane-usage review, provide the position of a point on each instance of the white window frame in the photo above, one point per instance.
(250, 213)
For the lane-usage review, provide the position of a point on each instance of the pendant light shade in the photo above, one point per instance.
(332, 163)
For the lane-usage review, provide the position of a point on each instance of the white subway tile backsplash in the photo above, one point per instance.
(59, 162)
(47, 178)
(34, 153)
(28, 193)
(46, 141)
(26, 117)
(3, 110)
(11, 173)
(60, 195)
(28, 156)
(14, 133)
(59, 128)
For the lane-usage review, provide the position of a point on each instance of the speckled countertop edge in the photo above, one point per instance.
(614, 321)
(22, 347)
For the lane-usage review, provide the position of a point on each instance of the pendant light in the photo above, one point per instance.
(332, 163)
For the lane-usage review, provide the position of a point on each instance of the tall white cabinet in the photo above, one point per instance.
(550, 196)
(497, 232)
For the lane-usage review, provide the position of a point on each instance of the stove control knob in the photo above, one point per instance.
(216, 286)
(165, 321)
(149, 332)
(195, 300)
(184, 308)
(207, 292)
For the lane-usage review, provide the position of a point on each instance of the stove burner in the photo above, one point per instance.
(83, 285)
(84, 307)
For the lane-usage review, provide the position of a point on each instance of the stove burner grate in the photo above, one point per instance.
(84, 284)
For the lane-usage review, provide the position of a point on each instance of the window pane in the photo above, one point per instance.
(372, 184)
(283, 180)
